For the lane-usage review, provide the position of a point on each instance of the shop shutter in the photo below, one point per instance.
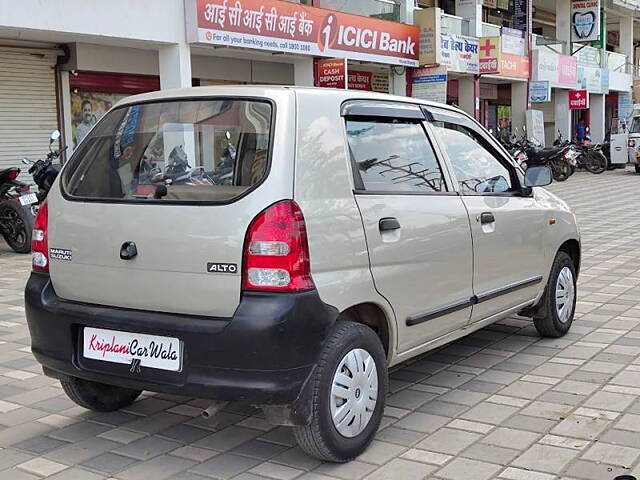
(27, 105)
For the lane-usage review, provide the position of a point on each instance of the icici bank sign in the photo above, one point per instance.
(298, 29)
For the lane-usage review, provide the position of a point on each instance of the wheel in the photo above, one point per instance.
(19, 225)
(595, 162)
(555, 315)
(560, 170)
(98, 396)
(637, 168)
(349, 388)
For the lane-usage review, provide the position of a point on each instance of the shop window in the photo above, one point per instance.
(383, 9)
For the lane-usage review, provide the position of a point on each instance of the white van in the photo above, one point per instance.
(284, 246)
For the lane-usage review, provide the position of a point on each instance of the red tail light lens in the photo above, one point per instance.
(39, 244)
(276, 251)
(13, 173)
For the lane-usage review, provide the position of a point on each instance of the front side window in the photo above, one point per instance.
(635, 125)
(476, 169)
(393, 156)
(191, 150)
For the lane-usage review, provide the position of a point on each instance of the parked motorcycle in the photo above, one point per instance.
(44, 171)
(560, 159)
(590, 156)
(16, 218)
(18, 205)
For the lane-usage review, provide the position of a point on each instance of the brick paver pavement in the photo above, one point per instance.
(501, 403)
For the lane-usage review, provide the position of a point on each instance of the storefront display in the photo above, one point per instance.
(93, 94)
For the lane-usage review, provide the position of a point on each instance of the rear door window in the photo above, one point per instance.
(181, 151)
(393, 156)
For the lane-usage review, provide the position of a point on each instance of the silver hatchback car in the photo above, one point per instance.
(283, 247)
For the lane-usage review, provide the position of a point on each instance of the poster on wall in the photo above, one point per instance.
(87, 108)
(539, 92)
(625, 105)
(289, 27)
(513, 41)
(332, 73)
(535, 126)
(585, 20)
(430, 83)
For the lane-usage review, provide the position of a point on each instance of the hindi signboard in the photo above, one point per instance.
(578, 100)
(288, 27)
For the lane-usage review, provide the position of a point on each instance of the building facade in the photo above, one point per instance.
(64, 63)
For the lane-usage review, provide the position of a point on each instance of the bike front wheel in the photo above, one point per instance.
(596, 162)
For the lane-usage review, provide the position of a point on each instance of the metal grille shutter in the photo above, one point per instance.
(27, 106)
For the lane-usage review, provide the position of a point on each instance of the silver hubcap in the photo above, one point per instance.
(565, 294)
(354, 393)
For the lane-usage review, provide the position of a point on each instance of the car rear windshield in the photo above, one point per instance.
(181, 151)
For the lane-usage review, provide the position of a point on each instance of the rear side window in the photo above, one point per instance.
(190, 150)
(393, 156)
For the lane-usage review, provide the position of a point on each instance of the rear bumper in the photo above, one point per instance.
(263, 355)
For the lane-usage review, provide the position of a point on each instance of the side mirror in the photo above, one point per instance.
(55, 135)
(538, 176)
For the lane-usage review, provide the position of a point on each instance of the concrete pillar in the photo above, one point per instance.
(562, 113)
(626, 37)
(596, 112)
(303, 72)
(466, 95)
(175, 66)
(563, 23)
(398, 83)
(519, 103)
(65, 114)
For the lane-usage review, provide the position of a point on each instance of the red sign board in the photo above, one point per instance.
(331, 73)
(578, 100)
(289, 27)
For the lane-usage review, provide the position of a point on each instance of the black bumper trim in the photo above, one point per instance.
(263, 355)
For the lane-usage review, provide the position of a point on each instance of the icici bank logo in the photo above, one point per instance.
(328, 32)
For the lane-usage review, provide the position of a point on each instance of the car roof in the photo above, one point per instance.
(268, 91)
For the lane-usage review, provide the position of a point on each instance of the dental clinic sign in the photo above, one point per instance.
(292, 28)
(585, 20)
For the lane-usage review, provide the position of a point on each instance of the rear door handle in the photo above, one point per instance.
(388, 224)
(487, 217)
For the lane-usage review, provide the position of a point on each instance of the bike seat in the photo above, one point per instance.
(544, 153)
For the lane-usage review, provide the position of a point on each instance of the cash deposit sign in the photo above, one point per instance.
(299, 29)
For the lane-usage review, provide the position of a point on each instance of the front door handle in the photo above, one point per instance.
(487, 217)
(388, 224)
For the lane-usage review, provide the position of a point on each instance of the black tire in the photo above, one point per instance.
(637, 168)
(595, 162)
(19, 221)
(546, 319)
(321, 438)
(98, 396)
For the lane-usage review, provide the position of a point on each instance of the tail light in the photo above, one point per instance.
(13, 173)
(39, 244)
(276, 251)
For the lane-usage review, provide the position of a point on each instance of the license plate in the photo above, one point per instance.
(153, 351)
(28, 199)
